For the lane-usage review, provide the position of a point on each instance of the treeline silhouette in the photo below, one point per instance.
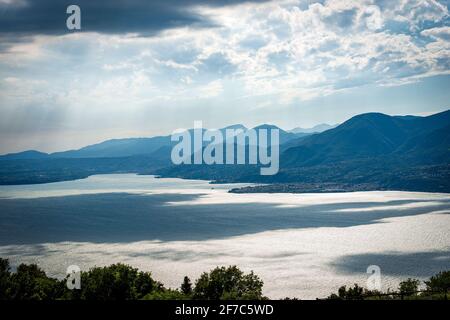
(123, 282)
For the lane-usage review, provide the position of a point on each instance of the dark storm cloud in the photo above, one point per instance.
(29, 17)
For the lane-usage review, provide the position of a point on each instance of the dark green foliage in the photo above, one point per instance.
(5, 280)
(437, 289)
(166, 294)
(123, 282)
(409, 287)
(228, 283)
(29, 282)
(144, 284)
(116, 282)
(186, 286)
(352, 293)
(439, 282)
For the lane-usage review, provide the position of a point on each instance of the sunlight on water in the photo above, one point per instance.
(302, 245)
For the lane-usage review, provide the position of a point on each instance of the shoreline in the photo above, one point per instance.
(294, 188)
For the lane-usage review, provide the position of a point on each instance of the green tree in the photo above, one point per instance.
(5, 280)
(409, 287)
(144, 284)
(186, 286)
(228, 283)
(115, 282)
(439, 282)
(166, 294)
(353, 293)
(29, 282)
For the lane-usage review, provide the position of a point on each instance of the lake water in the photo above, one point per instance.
(302, 245)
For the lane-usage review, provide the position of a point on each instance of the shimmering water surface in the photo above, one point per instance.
(302, 245)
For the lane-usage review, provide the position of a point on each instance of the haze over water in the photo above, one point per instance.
(302, 245)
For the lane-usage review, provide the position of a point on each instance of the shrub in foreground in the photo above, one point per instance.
(228, 283)
(123, 282)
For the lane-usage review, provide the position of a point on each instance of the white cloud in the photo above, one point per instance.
(437, 33)
(285, 51)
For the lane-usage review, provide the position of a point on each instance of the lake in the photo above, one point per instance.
(301, 245)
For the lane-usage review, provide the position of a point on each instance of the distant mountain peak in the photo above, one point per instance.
(28, 154)
(316, 129)
(268, 127)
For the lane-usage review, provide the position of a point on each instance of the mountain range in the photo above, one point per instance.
(316, 129)
(370, 151)
(424, 140)
(116, 148)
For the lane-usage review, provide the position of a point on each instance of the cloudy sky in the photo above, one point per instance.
(142, 68)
